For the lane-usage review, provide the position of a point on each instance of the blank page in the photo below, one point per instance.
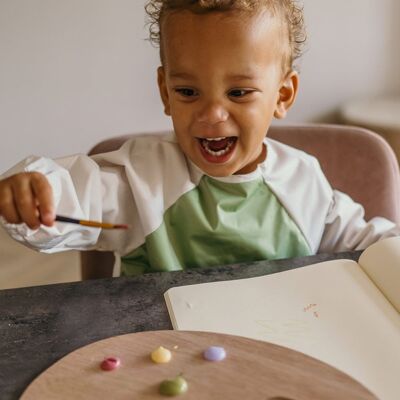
(330, 311)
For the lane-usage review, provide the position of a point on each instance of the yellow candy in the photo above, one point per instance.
(161, 355)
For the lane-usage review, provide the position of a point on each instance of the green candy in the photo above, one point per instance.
(173, 387)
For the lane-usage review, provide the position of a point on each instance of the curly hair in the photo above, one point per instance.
(290, 12)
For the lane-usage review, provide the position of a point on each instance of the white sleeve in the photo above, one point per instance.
(346, 228)
(82, 189)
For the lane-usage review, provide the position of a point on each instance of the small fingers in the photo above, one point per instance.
(25, 201)
(27, 197)
(8, 209)
(44, 198)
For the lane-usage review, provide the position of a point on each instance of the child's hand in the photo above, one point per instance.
(27, 197)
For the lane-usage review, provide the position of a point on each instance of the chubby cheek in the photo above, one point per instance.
(186, 141)
(251, 144)
(180, 127)
(253, 132)
(250, 150)
(182, 118)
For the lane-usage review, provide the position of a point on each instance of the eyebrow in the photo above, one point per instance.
(243, 77)
(184, 75)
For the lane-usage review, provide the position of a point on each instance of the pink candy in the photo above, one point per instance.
(110, 363)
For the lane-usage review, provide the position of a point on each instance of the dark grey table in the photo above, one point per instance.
(39, 325)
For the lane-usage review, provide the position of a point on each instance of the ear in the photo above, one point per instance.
(162, 86)
(287, 94)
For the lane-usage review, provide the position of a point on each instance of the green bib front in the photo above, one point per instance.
(219, 223)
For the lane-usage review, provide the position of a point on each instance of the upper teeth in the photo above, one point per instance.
(216, 139)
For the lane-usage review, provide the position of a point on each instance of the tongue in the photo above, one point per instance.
(216, 145)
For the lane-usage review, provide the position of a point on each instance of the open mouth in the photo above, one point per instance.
(217, 149)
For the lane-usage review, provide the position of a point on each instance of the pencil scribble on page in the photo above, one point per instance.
(312, 308)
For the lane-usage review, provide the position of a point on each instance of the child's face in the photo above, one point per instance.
(222, 83)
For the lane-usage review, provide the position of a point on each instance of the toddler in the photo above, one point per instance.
(216, 190)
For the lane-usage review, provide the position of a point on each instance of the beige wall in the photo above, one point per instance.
(74, 72)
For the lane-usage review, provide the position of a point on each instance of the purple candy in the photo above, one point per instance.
(214, 353)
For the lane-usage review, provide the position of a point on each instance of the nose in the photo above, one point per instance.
(212, 113)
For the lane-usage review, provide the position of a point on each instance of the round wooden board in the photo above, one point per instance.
(252, 370)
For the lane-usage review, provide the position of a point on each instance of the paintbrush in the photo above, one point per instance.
(93, 224)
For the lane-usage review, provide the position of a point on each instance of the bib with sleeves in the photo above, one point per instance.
(220, 221)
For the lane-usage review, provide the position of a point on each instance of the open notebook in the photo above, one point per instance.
(341, 312)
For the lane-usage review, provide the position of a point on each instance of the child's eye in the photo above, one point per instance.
(238, 92)
(186, 92)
